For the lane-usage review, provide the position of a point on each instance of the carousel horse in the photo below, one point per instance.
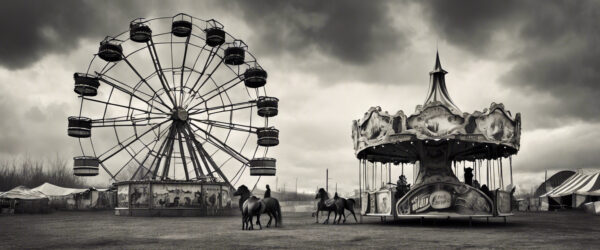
(253, 206)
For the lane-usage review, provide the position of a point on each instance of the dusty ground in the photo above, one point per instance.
(566, 229)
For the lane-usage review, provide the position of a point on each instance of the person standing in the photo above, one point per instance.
(469, 176)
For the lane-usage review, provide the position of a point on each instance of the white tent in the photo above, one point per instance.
(23, 193)
(23, 200)
(53, 190)
(76, 198)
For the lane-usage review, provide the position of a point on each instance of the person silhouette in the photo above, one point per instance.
(468, 176)
(268, 192)
(402, 186)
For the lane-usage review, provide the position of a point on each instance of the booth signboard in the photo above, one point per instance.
(365, 202)
(176, 195)
(384, 200)
(123, 196)
(139, 195)
(503, 202)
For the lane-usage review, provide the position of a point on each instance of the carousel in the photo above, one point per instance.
(175, 112)
(460, 162)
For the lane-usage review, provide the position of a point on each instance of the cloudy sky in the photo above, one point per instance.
(328, 62)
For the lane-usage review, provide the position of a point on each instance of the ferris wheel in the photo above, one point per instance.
(174, 98)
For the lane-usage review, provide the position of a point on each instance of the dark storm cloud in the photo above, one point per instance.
(32, 29)
(354, 31)
(469, 24)
(553, 46)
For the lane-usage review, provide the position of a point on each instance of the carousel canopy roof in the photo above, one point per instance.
(438, 93)
(489, 134)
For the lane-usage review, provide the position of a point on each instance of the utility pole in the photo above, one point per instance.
(327, 180)
(336, 186)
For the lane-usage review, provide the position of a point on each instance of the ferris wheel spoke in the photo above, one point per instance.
(220, 144)
(125, 122)
(122, 86)
(223, 108)
(182, 153)
(227, 125)
(122, 89)
(155, 164)
(223, 88)
(143, 79)
(121, 106)
(207, 64)
(132, 155)
(159, 69)
(194, 66)
(167, 165)
(187, 42)
(209, 60)
(134, 138)
(207, 157)
(192, 152)
(198, 150)
(141, 165)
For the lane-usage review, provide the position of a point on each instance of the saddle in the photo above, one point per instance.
(329, 202)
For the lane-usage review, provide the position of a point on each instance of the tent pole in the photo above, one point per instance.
(360, 201)
(487, 173)
(501, 173)
(511, 176)
(390, 174)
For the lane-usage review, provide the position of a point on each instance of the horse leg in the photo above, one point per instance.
(250, 222)
(243, 222)
(335, 215)
(258, 221)
(327, 221)
(270, 218)
(344, 213)
(318, 215)
(352, 211)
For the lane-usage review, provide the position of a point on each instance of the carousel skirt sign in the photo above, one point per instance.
(447, 198)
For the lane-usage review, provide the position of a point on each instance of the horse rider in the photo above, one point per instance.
(268, 192)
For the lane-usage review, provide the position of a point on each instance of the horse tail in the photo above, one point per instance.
(278, 209)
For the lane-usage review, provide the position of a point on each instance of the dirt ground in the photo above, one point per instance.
(549, 230)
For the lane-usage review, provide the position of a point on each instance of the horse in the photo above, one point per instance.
(251, 206)
(342, 204)
(325, 204)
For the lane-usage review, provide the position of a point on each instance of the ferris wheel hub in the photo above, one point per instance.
(179, 114)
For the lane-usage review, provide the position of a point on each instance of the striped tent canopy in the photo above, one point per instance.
(584, 182)
(553, 182)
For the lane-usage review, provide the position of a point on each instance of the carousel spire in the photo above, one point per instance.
(437, 87)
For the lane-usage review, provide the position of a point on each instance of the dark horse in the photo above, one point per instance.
(336, 205)
(253, 206)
